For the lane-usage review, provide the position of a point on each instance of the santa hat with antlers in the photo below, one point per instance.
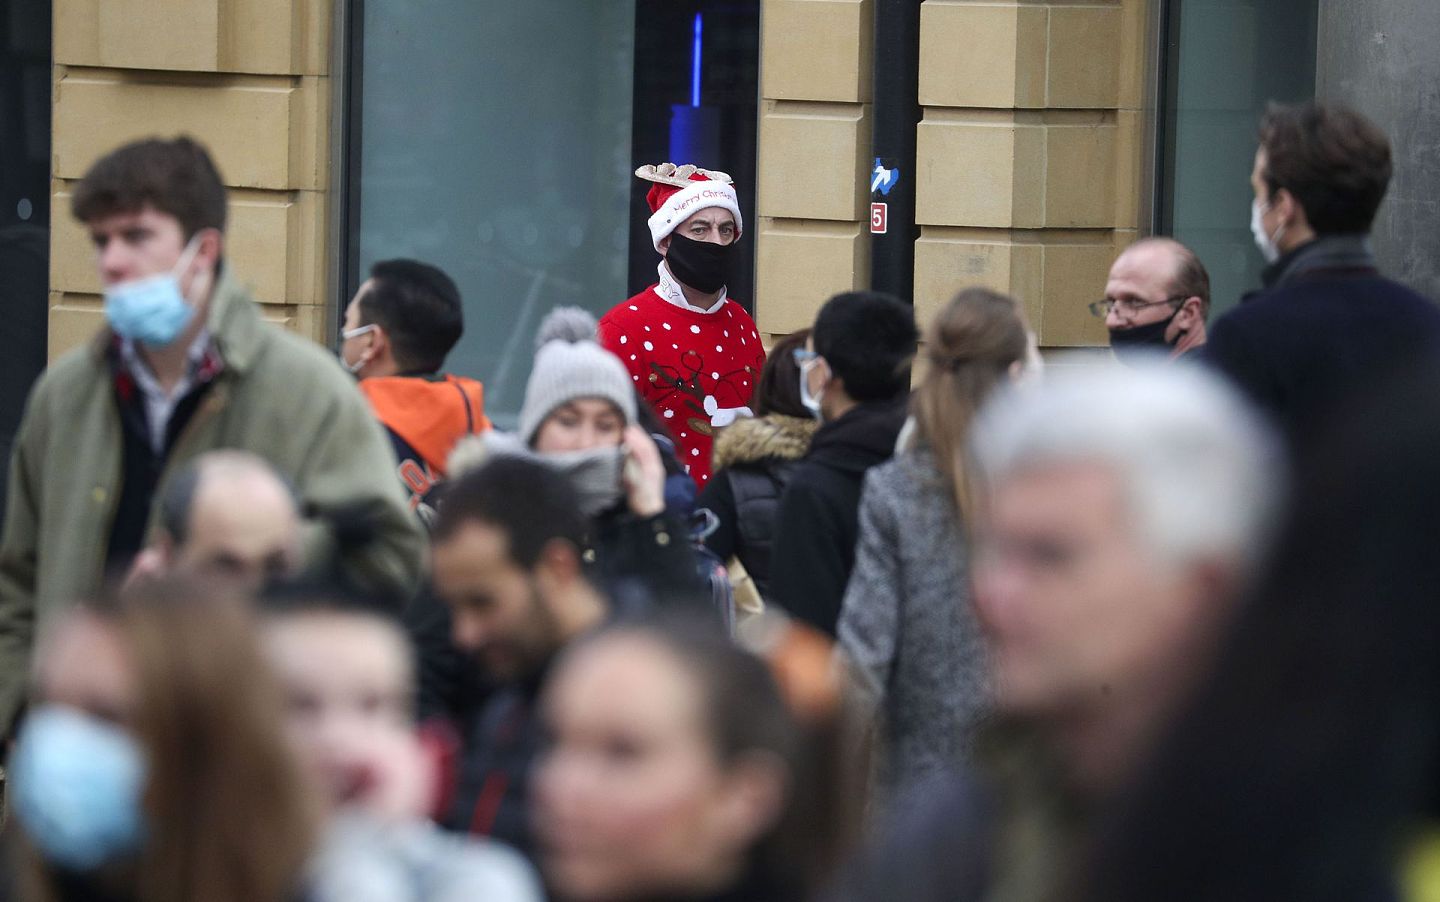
(680, 192)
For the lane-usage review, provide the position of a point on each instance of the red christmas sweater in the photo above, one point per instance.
(696, 369)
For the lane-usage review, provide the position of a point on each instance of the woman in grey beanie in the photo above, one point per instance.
(579, 416)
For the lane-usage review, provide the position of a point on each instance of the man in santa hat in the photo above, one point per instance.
(693, 353)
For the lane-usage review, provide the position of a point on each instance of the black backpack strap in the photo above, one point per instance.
(469, 411)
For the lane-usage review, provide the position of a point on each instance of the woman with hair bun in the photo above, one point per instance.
(906, 625)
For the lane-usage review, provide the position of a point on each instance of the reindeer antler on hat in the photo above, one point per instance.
(680, 192)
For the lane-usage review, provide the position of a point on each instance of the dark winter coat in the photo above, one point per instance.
(820, 511)
(754, 459)
(651, 556)
(1326, 323)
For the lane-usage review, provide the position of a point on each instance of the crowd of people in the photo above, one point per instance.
(874, 610)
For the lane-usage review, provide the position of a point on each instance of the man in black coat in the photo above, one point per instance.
(1326, 322)
(854, 377)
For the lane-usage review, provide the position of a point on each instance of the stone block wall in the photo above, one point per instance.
(248, 78)
(1028, 170)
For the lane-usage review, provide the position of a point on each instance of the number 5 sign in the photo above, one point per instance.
(879, 219)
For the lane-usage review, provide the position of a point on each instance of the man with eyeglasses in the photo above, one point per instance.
(1156, 300)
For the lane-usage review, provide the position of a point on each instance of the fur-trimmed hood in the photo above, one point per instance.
(773, 437)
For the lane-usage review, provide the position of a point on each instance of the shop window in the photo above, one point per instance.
(1223, 61)
(498, 141)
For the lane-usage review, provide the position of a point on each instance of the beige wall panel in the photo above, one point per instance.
(73, 320)
(309, 224)
(263, 133)
(966, 172)
(309, 134)
(1031, 164)
(945, 265)
(1129, 166)
(1074, 276)
(274, 240)
(816, 50)
(1080, 176)
(1121, 239)
(76, 32)
(280, 314)
(72, 256)
(813, 161)
(801, 263)
(275, 36)
(948, 261)
(1084, 64)
(276, 243)
(311, 321)
(1027, 278)
(1134, 52)
(160, 34)
(259, 242)
(982, 55)
(252, 36)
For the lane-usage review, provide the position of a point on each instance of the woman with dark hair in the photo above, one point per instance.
(906, 624)
(152, 765)
(1299, 769)
(754, 458)
(675, 772)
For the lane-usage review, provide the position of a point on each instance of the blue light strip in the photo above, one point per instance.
(695, 62)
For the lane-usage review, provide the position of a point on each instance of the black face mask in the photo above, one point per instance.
(1141, 342)
(702, 265)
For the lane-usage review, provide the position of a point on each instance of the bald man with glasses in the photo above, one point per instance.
(1156, 300)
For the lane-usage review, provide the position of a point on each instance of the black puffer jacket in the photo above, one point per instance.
(753, 462)
(820, 511)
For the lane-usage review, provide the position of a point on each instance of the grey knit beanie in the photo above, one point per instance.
(570, 365)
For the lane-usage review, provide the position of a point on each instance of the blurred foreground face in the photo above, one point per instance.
(77, 774)
(347, 686)
(1076, 610)
(497, 608)
(580, 425)
(130, 246)
(631, 798)
(83, 665)
(243, 531)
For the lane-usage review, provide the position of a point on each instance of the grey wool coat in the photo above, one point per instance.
(907, 625)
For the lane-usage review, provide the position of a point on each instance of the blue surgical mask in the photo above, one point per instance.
(152, 310)
(75, 783)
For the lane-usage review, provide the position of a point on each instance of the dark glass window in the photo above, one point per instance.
(1223, 60)
(24, 207)
(499, 140)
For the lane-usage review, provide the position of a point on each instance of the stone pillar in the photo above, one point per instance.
(249, 79)
(812, 196)
(1029, 154)
(1380, 57)
(1029, 160)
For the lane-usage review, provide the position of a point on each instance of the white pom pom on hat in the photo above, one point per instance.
(570, 324)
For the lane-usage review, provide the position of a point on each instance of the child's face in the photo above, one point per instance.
(347, 682)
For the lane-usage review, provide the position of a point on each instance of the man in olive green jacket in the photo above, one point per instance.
(185, 366)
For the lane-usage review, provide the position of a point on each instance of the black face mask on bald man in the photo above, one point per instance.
(702, 265)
